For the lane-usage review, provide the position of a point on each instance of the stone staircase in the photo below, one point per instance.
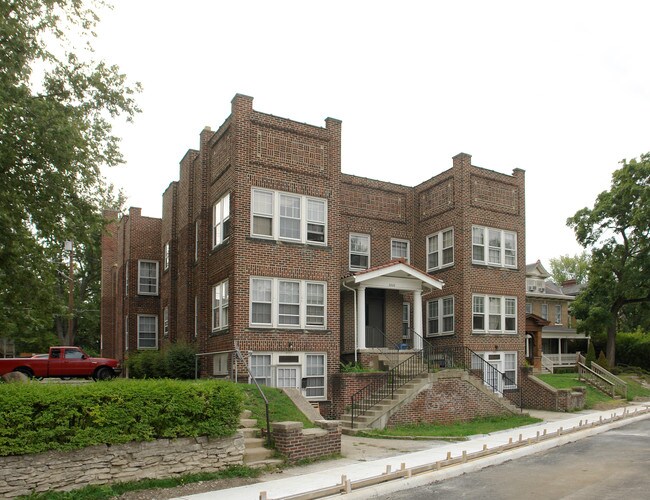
(255, 454)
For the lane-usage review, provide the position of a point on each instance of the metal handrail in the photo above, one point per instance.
(385, 386)
(266, 401)
(196, 362)
(425, 360)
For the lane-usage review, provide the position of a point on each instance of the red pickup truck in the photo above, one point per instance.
(63, 362)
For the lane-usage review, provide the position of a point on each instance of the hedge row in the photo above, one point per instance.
(176, 362)
(40, 417)
(633, 349)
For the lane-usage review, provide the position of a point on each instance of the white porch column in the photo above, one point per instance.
(361, 317)
(417, 319)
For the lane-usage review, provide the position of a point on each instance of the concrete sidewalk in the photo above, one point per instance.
(365, 458)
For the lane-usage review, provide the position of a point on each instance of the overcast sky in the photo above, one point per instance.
(560, 89)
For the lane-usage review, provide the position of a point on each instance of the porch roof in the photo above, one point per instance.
(395, 274)
(561, 332)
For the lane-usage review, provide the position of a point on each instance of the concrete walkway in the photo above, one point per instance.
(366, 458)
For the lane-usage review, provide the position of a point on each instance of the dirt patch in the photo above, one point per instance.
(188, 489)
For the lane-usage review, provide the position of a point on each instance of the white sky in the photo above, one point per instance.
(560, 89)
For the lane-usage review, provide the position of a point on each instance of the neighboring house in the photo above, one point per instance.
(7, 348)
(264, 245)
(549, 302)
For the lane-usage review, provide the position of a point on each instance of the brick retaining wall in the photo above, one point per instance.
(295, 443)
(539, 395)
(54, 470)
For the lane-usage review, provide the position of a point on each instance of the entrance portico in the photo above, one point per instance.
(395, 275)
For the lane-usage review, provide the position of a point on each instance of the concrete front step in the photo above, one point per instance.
(257, 454)
(271, 462)
(248, 422)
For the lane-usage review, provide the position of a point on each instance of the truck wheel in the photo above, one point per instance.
(25, 371)
(103, 373)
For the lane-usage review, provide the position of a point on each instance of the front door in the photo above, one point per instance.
(493, 378)
(288, 376)
(375, 327)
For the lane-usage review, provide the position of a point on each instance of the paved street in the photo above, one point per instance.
(612, 465)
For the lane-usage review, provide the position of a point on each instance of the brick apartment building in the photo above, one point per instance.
(266, 245)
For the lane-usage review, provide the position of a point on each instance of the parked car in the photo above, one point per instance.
(63, 362)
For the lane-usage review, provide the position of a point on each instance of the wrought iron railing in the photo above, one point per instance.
(385, 386)
(428, 359)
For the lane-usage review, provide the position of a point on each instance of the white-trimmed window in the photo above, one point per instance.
(221, 220)
(166, 256)
(148, 277)
(494, 247)
(220, 306)
(545, 311)
(166, 321)
(529, 307)
(510, 369)
(315, 374)
(196, 316)
(276, 302)
(359, 251)
(220, 366)
(440, 249)
(400, 249)
(287, 216)
(440, 316)
(196, 240)
(261, 368)
(558, 314)
(147, 331)
(406, 320)
(493, 314)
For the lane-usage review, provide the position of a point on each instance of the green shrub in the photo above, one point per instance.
(41, 417)
(146, 364)
(179, 361)
(602, 361)
(591, 355)
(633, 349)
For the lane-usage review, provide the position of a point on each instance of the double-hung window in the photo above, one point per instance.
(221, 220)
(315, 374)
(220, 306)
(558, 314)
(260, 366)
(147, 331)
(166, 321)
(276, 302)
(545, 311)
(399, 249)
(359, 251)
(287, 216)
(148, 277)
(494, 247)
(493, 314)
(440, 316)
(440, 249)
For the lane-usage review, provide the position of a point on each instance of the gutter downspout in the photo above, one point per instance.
(354, 292)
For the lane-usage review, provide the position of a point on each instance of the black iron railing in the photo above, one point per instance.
(428, 358)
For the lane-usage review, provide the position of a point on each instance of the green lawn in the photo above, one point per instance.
(593, 396)
(281, 408)
(457, 429)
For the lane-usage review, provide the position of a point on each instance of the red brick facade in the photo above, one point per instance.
(265, 174)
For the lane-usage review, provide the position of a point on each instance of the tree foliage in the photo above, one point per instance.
(617, 231)
(566, 267)
(56, 107)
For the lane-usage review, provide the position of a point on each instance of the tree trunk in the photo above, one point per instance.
(611, 333)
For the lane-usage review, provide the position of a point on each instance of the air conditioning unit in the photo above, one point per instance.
(541, 289)
(531, 288)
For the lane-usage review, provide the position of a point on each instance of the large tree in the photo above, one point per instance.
(617, 230)
(566, 267)
(56, 108)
